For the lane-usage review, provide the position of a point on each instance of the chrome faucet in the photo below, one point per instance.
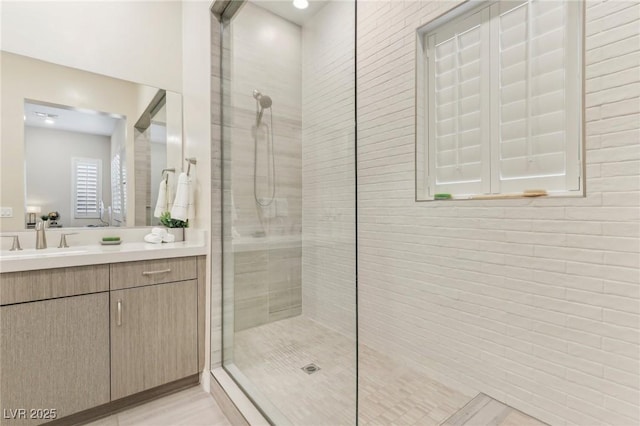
(16, 242)
(63, 240)
(41, 237)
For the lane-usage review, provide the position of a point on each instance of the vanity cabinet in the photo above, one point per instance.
(154, 307)
(54, 354)
(153, 336)
(81, 340)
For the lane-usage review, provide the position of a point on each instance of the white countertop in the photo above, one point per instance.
(31, 259)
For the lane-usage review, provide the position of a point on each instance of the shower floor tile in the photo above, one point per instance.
(271, 357)
(484, 410)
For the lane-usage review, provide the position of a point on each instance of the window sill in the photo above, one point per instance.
(510, 196)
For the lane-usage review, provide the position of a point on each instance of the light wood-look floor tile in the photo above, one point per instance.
(191, 407)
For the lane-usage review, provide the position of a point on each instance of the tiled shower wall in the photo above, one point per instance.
(328, 167)
(534, 302)
(265, 55)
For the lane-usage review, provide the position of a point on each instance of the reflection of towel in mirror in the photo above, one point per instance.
(161, 204)
(183, 203)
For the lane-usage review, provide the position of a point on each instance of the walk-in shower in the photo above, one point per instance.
(497, 310)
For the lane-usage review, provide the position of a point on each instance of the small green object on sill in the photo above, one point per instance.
(442, 197)
(110, 238)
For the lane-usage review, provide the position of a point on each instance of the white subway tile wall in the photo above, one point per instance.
(533, 302)
(328, 168)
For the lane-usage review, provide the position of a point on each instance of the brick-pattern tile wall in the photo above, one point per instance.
(534, 302)
(328, 167)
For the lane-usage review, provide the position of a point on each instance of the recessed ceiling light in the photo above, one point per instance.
(45, 115)
(301, 4)
(49, 121)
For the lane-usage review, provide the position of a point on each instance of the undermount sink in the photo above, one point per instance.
(53, 251)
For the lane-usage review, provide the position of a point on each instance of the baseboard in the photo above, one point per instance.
(234, 403)
(113, 407)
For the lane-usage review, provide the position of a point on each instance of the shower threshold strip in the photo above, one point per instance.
(484, 411)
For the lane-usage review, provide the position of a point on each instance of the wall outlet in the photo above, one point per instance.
(6, 212)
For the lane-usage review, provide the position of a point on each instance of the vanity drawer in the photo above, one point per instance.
(29, 286)
(146, 272)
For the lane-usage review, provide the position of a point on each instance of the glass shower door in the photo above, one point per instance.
(289, 209)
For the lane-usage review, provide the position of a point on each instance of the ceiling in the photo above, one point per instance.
(71, 120)
(286, 10)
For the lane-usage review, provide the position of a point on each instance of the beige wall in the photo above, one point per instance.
(198, 128)
(25, 78)
(139, 41)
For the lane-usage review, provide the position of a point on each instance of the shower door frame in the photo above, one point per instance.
(224, 11)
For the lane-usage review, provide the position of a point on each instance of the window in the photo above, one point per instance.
(87, 187)
(500, 100)
(116, 186)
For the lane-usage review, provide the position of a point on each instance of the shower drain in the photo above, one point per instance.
(310, 368)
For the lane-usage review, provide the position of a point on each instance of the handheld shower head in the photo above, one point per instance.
(263, 101)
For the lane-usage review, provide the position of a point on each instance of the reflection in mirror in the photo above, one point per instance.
(73, 165)
(54, 161)
(151, 162)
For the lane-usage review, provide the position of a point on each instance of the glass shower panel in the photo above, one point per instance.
(289, 217)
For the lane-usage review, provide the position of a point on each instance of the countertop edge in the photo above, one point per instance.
(8, 265)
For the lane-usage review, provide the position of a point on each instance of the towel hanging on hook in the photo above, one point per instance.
(162, 205)
(190, 161)
(165, 174)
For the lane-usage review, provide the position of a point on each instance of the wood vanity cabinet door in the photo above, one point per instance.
(54, 355)
(153, 336)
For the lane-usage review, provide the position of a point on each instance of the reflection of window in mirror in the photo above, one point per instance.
(74, 164)
(86, 190)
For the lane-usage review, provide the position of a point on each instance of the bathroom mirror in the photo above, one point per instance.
(74, 144)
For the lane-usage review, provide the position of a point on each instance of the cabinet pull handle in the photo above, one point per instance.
(162, 271)
(119, 316)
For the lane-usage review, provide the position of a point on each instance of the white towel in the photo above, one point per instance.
(183, 202)
(153, 238)
(161, 204)
(160, 232)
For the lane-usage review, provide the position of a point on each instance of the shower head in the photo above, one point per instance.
(264, 102)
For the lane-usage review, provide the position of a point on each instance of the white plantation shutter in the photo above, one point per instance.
(458, 105)
(123, 167)
(535, 131)
(116, 186)
(87, 187)
(504, 99)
